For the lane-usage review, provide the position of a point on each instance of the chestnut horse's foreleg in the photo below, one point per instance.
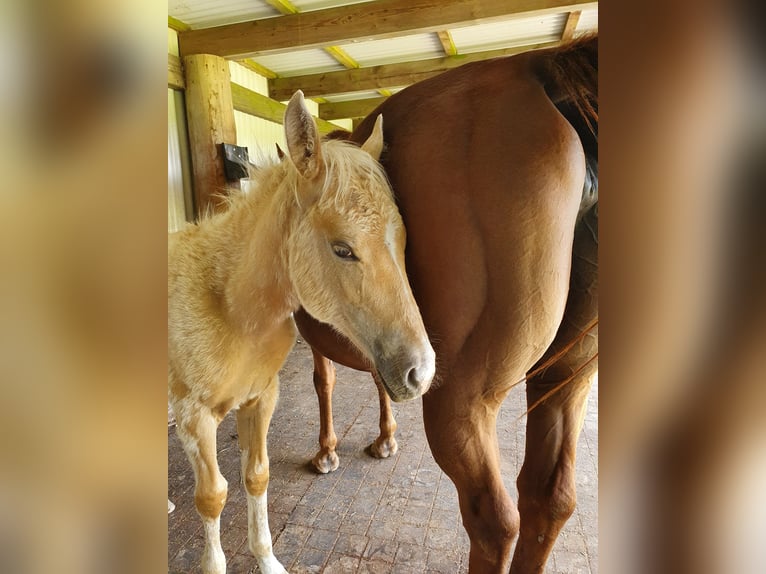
(253, 420)
(462, 436)
(326, 460)
(385, 445)
(196, 427)
(546, 483)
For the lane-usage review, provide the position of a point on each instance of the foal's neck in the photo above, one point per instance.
(258, 294)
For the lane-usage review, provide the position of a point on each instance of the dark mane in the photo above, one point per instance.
(569, 74)
(338, 134)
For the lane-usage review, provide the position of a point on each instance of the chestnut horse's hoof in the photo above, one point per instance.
(384, 448)
(327, 462)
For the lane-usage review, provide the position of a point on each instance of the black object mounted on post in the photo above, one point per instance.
(235, 161)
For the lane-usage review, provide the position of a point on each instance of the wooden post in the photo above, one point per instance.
(210, 116)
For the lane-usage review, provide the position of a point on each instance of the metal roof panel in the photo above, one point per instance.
(508, 33)
(299, 62)
(209, 13)
(392, 50)
(588, 21)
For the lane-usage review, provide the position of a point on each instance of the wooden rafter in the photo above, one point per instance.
(175, 73)
(368, 20)
(350, 109)
(448, 45)
(258, 105)
(177, 25)
(283, 6)
(286, 7)
(342, 57)
(570, 26)
(385, 76)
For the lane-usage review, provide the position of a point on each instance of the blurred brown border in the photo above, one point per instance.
(682, 288)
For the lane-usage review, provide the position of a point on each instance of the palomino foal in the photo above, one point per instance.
(322, 231)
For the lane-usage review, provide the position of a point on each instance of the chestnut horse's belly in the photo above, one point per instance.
(329, 343)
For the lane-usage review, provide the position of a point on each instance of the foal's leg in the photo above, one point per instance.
(462, 436)
(385, 445)
(196, 427)
(252, 425)
(326, 460)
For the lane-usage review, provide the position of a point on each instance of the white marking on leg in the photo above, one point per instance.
(259, 536)
(213, 558)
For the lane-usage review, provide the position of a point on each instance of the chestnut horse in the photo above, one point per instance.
(321, 231)
(494, 166)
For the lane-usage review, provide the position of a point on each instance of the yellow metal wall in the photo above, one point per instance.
(179, 176)
(179, 167)
(258, 135)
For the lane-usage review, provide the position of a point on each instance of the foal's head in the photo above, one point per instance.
(346, 253)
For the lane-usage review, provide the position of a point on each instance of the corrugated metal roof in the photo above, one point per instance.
(351, 96)
(393, 50)
(300, 62)
(508, 33)
(491, 35)
(208, 13)
(588, 21)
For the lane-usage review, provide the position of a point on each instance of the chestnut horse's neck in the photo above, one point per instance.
(250, 241)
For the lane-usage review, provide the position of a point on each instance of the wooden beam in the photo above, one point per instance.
(355, 123)
(352, 109)
(210, 119)
(258, 105)
(283, 6)
(448, 45)
(175, 73)
(177, 25)
(570, 26)
(384, 76)
(342, 57)
(367, 20)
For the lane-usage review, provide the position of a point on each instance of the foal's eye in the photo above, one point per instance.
(344, 251)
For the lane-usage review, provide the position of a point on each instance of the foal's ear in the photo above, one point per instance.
(302, 135)
(374, 143)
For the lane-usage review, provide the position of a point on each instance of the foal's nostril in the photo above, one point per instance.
(413, 378)
(417, 377)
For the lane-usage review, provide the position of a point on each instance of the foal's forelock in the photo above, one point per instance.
(349, 170)
(349, 173)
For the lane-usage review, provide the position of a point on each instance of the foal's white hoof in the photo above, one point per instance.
(324, 463)
(270, 565)
(213, 562)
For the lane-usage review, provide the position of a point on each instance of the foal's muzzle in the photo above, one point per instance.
(408, 374)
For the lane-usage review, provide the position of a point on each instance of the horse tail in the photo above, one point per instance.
(569, 75)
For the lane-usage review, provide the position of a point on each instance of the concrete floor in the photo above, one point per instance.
(398, 515)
